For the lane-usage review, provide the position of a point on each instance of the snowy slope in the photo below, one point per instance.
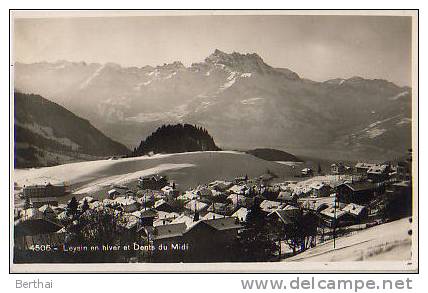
(187, 169)
(389, 241)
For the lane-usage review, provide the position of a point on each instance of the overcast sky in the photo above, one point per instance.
(316, 47)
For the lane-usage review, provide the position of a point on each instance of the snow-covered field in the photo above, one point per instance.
(187, 169)
(80, 172)
(290, 163)
(386, 242)
(128, 177)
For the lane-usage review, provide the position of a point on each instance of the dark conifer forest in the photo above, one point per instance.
(177, 138)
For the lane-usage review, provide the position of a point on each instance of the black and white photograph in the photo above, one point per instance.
(214, 140)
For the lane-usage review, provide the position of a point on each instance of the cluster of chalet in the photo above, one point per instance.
(211, 216)
(347, 200)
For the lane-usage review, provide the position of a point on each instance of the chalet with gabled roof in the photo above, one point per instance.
(357, 192)
(155, 182)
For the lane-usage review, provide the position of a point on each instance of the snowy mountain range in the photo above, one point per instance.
(242, 101)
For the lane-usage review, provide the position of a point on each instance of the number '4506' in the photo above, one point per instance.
(41, 247)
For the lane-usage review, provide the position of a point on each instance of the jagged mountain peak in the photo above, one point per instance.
(221, 54)
(250, 62)
(176, 65)
(244, 63)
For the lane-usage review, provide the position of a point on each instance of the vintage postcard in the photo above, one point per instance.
(214, 141)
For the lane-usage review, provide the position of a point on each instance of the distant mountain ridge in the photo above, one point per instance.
(244, 102)
(177, 138)
(47, 134)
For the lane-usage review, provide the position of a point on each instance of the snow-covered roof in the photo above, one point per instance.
(63, 216)
(333, 213)
(144, 214)
(269, 205)
(215, 193)
(183, 219)
(318, 185)
(289, 207)
(113, 192)
(377, 169)
(220, 184)
(363, 165)
(318, 203)
(108, 202)
(62, 230)
(46, 209)
(236, 197)
(95, 205)
(241, 214)
(89, 199)
(156, 177)
(125, 201)
(145, 199)
(239, 189)
(188, 195)
(195, 205)
(204, 191)
(176, 228)
(159, 203)
(212, 215)
(354, 209)
(167, 189)
(166, 215)
(161, 222)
